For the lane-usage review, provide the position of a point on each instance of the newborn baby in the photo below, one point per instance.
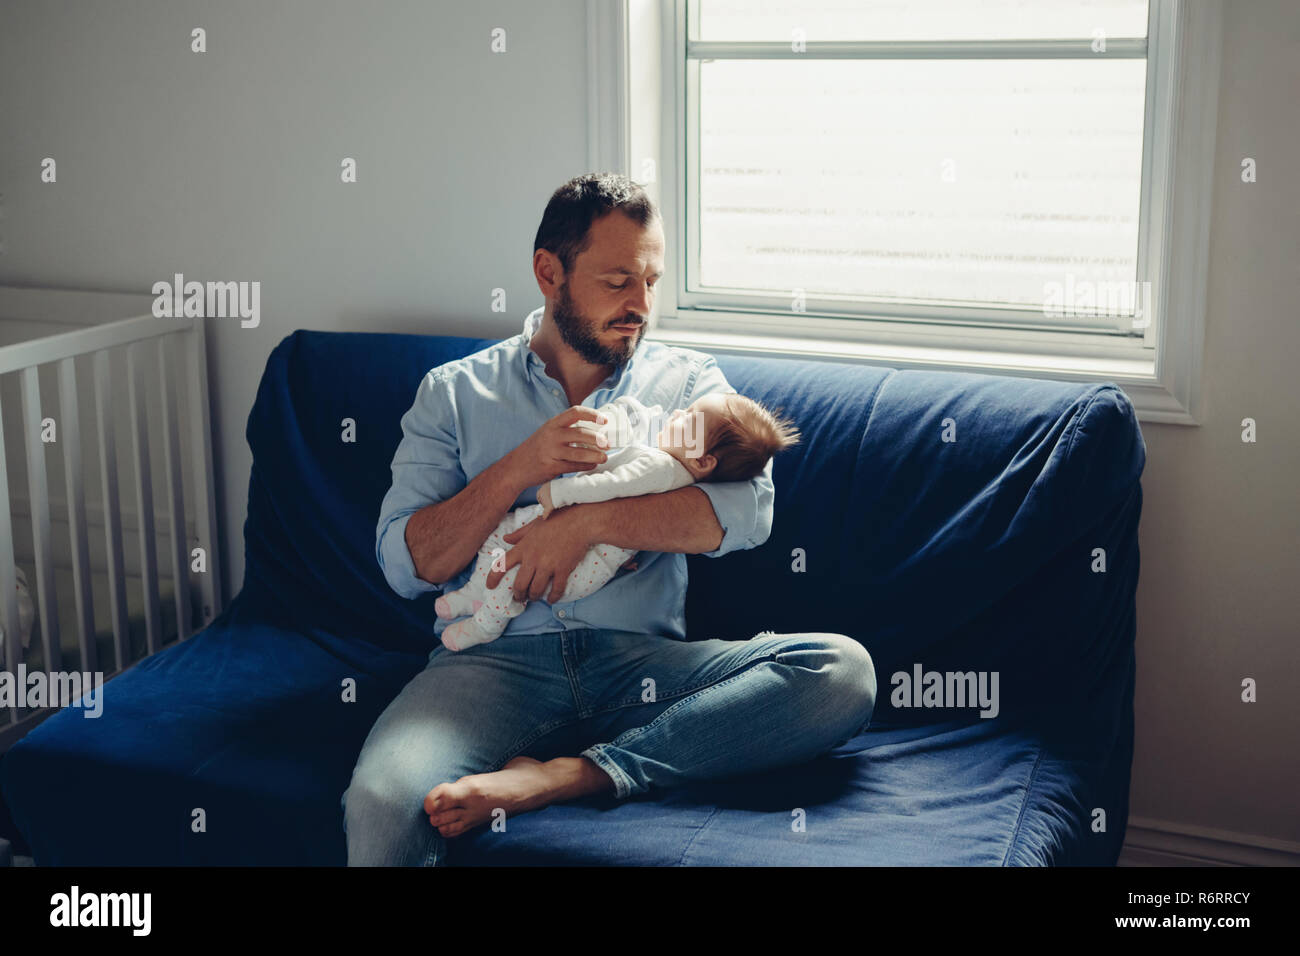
(720, 437)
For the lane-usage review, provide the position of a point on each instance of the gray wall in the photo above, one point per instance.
(226, 165)
(1220, 531)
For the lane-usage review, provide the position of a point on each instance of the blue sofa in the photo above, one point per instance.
(973, 554)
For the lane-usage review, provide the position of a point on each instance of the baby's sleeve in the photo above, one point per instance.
(630, 472)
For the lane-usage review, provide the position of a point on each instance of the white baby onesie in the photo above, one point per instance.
(627, 472)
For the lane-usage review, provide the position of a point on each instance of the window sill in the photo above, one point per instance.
(1136, 376)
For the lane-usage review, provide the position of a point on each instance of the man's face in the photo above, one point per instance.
(604, 304)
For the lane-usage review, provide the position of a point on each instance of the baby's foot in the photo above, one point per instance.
(454, 605)
(464, 633)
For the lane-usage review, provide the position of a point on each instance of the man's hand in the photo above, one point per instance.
(547, 553)
(557, 448)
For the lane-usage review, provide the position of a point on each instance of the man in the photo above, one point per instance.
(604, 694)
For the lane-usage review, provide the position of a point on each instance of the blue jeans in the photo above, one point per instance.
(649, 711)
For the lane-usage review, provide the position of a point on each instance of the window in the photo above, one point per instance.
(1006, 185)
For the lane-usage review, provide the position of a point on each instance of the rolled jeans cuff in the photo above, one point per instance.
(623, 784)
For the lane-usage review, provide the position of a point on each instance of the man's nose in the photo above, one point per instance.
(641, 300)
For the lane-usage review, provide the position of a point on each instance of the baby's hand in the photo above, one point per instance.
(544, 499)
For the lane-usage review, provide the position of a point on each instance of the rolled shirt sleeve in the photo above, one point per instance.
(426, 470)
(743, 508)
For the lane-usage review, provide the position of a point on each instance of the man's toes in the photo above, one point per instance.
(441, 798)
(453, 828)
(442, 821)
(439, 817)
(446, 809)
(455, 794)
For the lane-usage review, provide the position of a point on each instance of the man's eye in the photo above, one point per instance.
(615, 285)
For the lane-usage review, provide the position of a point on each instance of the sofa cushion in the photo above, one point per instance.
(245, 721)
(959, 794)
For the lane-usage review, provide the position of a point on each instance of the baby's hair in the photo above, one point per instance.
(745, 440)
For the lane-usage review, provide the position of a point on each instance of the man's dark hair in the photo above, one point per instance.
(566, 223)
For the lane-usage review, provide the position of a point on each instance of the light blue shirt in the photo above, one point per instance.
(471, 412)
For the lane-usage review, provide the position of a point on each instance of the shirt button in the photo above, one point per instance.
(555, 391)
(559, 614)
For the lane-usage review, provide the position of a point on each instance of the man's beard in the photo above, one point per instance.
(578, 333)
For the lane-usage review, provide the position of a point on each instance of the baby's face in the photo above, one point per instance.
(686, 432)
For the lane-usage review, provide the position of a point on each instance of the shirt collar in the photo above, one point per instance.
(533, 322)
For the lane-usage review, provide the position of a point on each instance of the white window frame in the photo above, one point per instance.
(636, 106)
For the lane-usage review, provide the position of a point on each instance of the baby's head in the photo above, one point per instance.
(725, 437)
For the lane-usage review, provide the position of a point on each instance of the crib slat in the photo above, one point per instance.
(13, 645)
(138, 390)
(38, 491)
(112, 511)
(175, 490)
(71, 442)
(205, 505)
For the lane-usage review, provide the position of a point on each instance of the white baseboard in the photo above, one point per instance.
(1150, 842)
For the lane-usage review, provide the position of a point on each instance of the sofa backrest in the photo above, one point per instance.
(947, 521)
(942, 519)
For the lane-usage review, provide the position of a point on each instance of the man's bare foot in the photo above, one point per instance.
(523, 784)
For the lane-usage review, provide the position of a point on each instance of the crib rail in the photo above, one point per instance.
(145, 340)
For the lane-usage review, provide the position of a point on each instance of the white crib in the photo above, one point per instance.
(101, 605)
